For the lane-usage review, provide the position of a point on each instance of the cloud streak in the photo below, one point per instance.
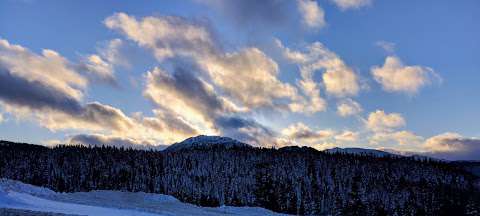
(351, 4)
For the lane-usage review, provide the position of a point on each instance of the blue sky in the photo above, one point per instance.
(424, 99)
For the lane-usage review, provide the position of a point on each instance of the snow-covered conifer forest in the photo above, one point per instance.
(291, 180)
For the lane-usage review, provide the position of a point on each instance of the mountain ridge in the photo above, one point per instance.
(373, 152)
(203, 141)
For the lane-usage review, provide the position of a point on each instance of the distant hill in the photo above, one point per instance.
(360, 151)
(203, 141)
(470, 166)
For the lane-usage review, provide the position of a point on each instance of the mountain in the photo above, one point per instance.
(292, 180)
(203, 141)
(382, 153)
(469, 166)
(412, 154)
(360, 151)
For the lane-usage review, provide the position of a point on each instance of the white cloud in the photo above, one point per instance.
(312, 14)
(347, 136)
(446, 142)
(215, 91)
(403, 138)
(193, 107)
(385, 132)
(396, 77)
(313, 102)
(248, 76)
(163, 126)
(99, 68)
(93, 116)
(186, 97)
(49, 89)
(114, 53)
(351, 4)
(32, 84)
(166, 36)
(1, 118)
(339, 79)
(348, 107)
(453, 146)
(380, 121)
(109, 121)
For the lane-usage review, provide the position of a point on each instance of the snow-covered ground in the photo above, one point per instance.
(16, 195)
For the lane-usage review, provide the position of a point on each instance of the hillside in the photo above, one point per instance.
(290, 180)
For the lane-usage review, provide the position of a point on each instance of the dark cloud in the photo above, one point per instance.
(195, 93)
(250, 13)
(102, 140)
(193, 88)
(306, 135)
(186, 86)
(302, 134)
(106, 116)
(165, 122)
(236, 122)
(453, 147)
(35, 95)
(49, 89)
(246, 130)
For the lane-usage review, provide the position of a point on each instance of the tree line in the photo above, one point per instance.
(291, 180)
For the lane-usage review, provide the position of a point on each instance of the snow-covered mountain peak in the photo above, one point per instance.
(206, 141)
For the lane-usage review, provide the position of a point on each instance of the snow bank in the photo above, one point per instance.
(16, 195)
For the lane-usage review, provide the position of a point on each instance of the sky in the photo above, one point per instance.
(394, 75)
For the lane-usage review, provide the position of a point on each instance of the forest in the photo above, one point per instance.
(293, 180)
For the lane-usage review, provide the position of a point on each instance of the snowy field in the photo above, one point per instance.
(16, 195)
